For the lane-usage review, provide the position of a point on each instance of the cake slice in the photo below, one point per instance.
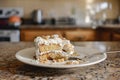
(52, 48)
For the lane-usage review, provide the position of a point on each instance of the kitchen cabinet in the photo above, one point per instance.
(71, 34)
(109, 32)
(116, 35)
(104, 35)
(29, 35)
(81, 35)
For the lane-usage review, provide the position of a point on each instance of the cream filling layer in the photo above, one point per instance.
(38, 53)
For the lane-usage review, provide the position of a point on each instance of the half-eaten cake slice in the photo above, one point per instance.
(52, 48)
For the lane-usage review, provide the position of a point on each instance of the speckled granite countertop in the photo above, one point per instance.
(12, 69)
(54, 27)
(107, 26)
(113, 26)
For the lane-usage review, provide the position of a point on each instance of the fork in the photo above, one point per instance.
(89, 56)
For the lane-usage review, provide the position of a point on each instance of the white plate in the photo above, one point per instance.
(27, 56)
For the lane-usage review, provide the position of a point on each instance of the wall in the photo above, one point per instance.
(114, 12)
(50, 7)
(111, 12)
(57, 8)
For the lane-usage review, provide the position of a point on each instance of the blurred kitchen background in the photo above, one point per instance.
(77, 20)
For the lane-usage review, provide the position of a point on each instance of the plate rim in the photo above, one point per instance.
(53, 66)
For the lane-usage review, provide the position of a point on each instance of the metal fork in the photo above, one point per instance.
(89, 56)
